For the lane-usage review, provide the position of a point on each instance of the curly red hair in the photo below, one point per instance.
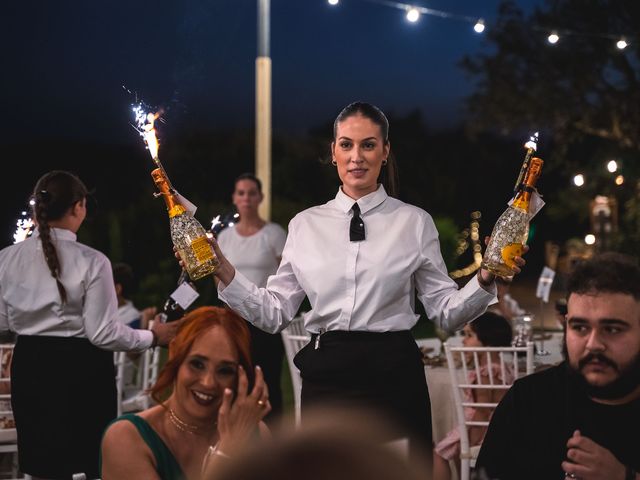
(195, 323)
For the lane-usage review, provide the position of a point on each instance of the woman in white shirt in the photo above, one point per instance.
(58, 296)
(254, 246)
(359, 259)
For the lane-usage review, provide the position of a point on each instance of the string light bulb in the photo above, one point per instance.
(619, 180)
(553, 38)
(612, 166)
(413, 14)
(479, 26)
(590, 239)
(333, 2)
(578, 180)
(622, 44)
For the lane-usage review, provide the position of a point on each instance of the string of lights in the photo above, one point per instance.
(413, 13)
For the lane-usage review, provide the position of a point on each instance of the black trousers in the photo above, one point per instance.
(63, 395)
(380, 371)
(267, 351)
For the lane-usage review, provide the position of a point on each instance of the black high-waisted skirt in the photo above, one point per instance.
(380, 371)
(63, 395)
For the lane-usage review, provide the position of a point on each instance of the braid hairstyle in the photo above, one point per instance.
(54, 194)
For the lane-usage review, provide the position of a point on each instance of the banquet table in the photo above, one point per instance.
(443, 414)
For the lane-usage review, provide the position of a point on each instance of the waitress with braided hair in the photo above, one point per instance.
(58, 296)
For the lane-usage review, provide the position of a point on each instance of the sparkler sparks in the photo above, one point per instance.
(25, 226)
(145, 127)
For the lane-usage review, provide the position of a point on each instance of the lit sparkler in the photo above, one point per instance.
(145, 126)
(25, 226)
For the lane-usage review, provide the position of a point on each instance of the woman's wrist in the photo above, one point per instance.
(485, 277)
(225, 272)
(154, 341)
(212, 451)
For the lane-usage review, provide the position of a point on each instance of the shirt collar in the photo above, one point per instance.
(59, 234)
(366, 203)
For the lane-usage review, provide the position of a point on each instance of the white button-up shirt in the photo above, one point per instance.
(30, 303)
(362, 286)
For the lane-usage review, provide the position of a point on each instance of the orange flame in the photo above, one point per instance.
(149, 135)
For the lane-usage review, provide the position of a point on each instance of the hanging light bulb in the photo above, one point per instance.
(553, 38)
(612, 166)
(622, 44)
(590, 239)
(413, 14)
(578, 180)
(479, 26)
(619, 180)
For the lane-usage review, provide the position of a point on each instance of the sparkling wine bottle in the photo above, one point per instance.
(188, 236)
(512, 228)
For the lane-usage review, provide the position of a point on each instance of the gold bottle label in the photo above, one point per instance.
(509, 252)
(176, 210)
(201, 249)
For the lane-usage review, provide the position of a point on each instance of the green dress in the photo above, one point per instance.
(167, 466)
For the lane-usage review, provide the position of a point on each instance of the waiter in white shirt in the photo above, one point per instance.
(58, 296)
(359, 258)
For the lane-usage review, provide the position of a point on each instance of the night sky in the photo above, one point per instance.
(66, 63)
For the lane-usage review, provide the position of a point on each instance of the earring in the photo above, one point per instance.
(385, 161)
(334, 163)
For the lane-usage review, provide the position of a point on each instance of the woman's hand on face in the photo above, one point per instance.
(238, 419)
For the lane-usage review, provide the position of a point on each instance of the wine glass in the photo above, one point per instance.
(442, 335)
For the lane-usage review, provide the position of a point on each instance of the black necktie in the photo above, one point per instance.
(356, 229)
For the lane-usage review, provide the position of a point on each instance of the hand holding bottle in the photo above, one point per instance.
(486, 277)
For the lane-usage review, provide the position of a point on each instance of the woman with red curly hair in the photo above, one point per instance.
(210, 404)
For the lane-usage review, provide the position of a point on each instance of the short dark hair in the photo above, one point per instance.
(123, 274)
(248, 176)
(492, 330)
(609, 272)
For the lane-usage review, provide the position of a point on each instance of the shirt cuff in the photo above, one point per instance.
(237, 291)
(146, 339)
(474, 288)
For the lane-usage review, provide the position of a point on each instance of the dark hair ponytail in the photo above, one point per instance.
(389, 172)
(54, 194)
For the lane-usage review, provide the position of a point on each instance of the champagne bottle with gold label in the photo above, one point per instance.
(510, 232)
(188, 236)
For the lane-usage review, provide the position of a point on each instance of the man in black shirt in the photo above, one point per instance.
(580, 419)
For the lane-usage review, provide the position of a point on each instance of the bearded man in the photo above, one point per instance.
(580, 419)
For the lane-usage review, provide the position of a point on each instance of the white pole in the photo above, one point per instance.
(263, 108)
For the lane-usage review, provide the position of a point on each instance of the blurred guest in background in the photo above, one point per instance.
(332, 445)
(128, 314)
(488, 330)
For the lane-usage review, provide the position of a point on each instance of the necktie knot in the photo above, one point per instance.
(356, 229)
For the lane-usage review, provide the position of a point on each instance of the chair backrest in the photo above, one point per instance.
(134, 397)
(472, 369)
(294, 338)
(8, 435)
